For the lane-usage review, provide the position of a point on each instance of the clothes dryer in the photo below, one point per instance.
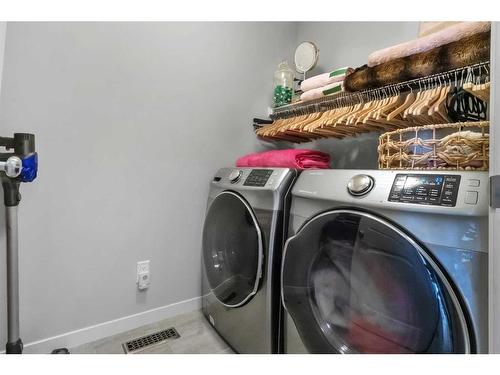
(387, 262)
(243, 238)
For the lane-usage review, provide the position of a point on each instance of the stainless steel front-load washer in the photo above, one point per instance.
(387, 262)
(243, 239)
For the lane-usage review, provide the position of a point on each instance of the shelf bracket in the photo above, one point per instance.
(495, 191)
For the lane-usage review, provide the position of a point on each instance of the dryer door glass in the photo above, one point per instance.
(354, 283)
(232, 249)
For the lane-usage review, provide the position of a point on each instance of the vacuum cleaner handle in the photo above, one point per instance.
(18, 165)
(22, 143)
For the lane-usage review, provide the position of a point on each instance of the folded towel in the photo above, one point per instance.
(428, 27)
(325, 79)
(291, 158)
(322, 91)
(426, 43)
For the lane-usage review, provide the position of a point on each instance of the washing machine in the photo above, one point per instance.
(387, 262)
(243, 238)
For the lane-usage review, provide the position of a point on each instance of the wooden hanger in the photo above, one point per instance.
(357, 116)
(435, 104)
(309, 118)
(266, 130)
(429, 97)
(385, 109)
(439, 108)
(482, 91)
(329, 127)
(267, 133)
(341, 124)
(317, 122)
(410, 108)
(342, 120)
(369, 118)
(410, 113)
(408, 101)
(420, 113)
(292, 121)
(373, 110)
(311, 126)
(382, 116)
(377, 118)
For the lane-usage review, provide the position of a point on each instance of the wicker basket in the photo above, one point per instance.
(458, 146)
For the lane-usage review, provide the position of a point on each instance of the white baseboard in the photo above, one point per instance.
(112, 327)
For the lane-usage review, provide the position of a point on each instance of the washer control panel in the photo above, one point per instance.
(430, 189)
(258, 177)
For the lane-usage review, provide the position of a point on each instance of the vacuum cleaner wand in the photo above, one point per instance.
(18, 165)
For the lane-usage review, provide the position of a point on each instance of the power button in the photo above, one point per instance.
(471, 197)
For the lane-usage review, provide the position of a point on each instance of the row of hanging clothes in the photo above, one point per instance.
(439, 99)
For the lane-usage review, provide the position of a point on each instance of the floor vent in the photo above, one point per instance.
(152, 339)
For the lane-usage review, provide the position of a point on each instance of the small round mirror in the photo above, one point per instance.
(306, 57)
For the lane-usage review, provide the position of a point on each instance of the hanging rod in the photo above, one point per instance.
(349, 98)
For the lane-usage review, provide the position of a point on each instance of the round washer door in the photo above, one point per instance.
(355, 283)
(232, 249)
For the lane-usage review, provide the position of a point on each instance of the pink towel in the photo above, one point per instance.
(450, 34)
(291, 158)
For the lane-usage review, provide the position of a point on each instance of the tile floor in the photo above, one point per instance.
(196, 337)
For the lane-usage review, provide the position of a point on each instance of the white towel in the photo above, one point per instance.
(324, 79)
(319, 92)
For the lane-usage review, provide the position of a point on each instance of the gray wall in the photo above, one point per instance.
(349, 44)
(3, 28)
(132, 120)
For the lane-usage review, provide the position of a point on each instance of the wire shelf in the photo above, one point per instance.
(332, 101)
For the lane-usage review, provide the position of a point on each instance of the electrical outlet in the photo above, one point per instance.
(144, 280)
(142, 268)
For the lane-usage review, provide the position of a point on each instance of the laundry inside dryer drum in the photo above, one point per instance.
(370, 289)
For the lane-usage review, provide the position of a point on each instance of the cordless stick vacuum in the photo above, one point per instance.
(17, 166)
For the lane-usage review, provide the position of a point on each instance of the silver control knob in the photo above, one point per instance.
(235, 175)
(360, 184)
(12, 167)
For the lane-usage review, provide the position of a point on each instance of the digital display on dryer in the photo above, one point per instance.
(258, 177)
(439, 190)
(414, 181)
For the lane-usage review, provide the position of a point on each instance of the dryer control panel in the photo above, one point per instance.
(258, 177)
(430, 189)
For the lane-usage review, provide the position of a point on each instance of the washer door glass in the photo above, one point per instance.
(354, 283)
(232, 249)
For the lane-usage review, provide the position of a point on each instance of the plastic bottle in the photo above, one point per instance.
(283, 84)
